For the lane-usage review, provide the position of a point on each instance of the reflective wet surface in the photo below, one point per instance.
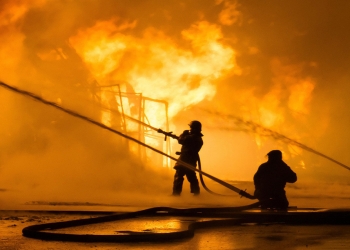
(248, 236)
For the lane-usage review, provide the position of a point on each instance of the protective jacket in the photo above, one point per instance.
(192, 143)
(270, 181)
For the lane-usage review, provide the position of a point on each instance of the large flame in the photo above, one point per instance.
(154, 64)
(176, 65)
(289, 95)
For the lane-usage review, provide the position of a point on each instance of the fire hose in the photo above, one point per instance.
(221, 217)
(233, 215)
(170, 134)
(101, 125)
(203, 183)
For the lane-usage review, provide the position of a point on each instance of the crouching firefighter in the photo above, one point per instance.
(192, 142)
(270, 181)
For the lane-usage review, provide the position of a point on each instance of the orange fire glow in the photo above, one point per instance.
(229, 56)
(154, 64)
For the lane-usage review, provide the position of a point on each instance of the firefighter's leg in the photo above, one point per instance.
(280, 202)
(263, 198)
(178, 181)
(192, 178)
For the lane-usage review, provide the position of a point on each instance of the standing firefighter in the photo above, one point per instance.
(270, 181)
(191, 141)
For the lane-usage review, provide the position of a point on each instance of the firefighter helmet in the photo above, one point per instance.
(275, 154)
(195, 125)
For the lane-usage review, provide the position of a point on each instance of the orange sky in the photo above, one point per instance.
(280, 65)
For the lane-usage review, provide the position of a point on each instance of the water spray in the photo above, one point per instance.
(236, 216)
(259, 129)
(101, 125)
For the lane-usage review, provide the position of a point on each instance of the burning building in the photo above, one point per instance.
(253, 73)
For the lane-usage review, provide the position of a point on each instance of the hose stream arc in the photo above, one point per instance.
(101, 125)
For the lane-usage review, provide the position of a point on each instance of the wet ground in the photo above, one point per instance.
(251, 236)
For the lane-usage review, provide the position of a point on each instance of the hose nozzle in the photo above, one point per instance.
(170, 134)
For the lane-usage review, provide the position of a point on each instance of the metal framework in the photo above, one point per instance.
(133, 107)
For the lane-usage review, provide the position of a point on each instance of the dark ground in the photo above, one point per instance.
(273, 236)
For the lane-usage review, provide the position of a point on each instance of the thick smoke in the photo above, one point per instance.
(289, 74)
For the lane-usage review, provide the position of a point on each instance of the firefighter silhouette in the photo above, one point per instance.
(270, 181)
(191, 141)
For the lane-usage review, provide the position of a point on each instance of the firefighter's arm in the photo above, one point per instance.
(291, 176)
(170, 134)
(184, 136)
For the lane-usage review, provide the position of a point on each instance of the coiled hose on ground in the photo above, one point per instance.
(221, 217)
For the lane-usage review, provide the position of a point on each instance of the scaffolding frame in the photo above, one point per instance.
(141, 134)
